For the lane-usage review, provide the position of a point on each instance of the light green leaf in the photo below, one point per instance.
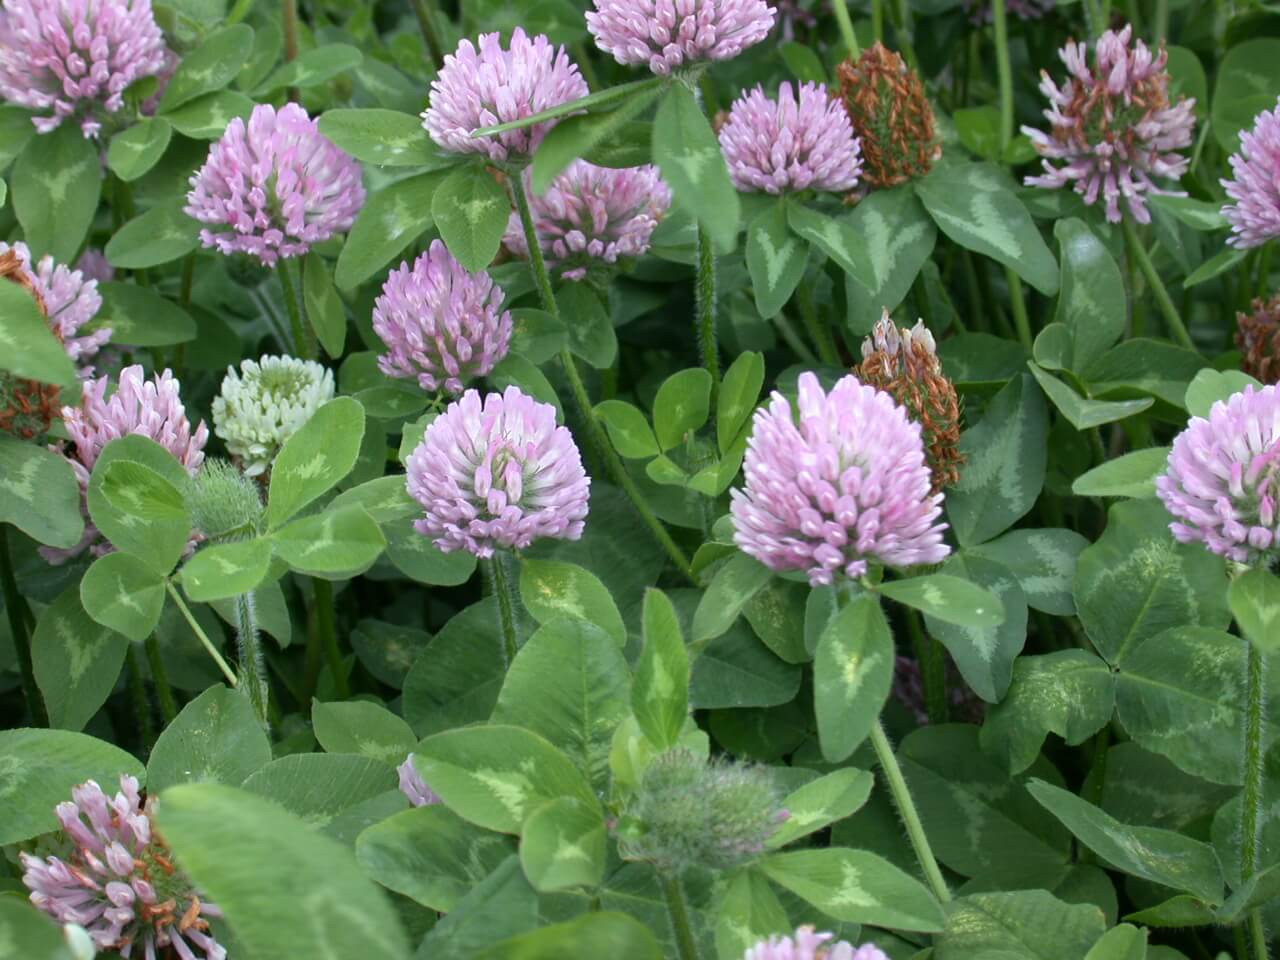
(1083, 413)
(241, 850)
(418, 558)
(56, 181)
(39, 493)
(216, 738)
(495, 776)
(384, 499)
(1044, 563)
(122, 593)
(431, 855)
(739, 392)
(334, 545)
(1125, 942)
(1211, 386)
(224, 570)
(76, 661)
(1248, 77)
(28, 348)
(776, 259)
(834, 236)
(390, 220)
(30, 933)
(660, 689)
(629, 431)
(898, 239)
(312, 68)
(364, 728)
(139, 315)
(133, 517)
(134, 151)
(319, 787)
(857, 887)
(1027, 924)
(551, 589)
(1161, 856)
(457, 683)
(562, 845)
(315, 458)
(570, 684)
(386, 138)
(822, 802)
(471, 209)
(1254, 599)
(949, 599)
(324, 307)
(749, 912)
(207, 117)
(1091, 297)
(587, 135)
(612, 934)
(685, 149)
(1131, 475)
(734, 584)
(852, 670)
(1215, 266)
(209, 67)
(681, 406)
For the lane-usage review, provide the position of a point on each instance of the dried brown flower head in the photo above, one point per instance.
(1258, 337)
(27, 407)
(891, 115)
(904, 363)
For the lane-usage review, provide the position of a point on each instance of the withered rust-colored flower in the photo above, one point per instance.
(27, 407)
(904, 363)
(1258, 337)
(891, 115)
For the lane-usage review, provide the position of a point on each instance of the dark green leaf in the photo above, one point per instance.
(685, 149)
(56, 181)
(853, 670)
(471, 209)
(216, 738)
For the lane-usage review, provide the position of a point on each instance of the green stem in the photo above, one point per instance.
(798, 346)
(496, 568)
(877, 20)
(1004, 72)
(1161, 26)
(13, 608)
(1171, 316)
(1021, 322)
(160, 678)
(200, 634)
(819, 331)
(253, 671)
(933, 669)
(907, 810)
(1251, 802)
(325, 625)
(138, 694)
(599, 439)
(430, 36)
(706, 301)
(678, 911)
(301, 342)
(289, 25)
(846, 28)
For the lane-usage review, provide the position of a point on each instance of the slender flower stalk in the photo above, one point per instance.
(1137, 250)
(500, 582)
(203, 637)
(708, 337)
(326, 627)
(304, 344)
(678, 913)
(253, 669)
(907, 810)
(160, 679)
(13, 608)
(1251, 803)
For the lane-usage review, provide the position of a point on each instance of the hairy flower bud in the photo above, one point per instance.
(891, 116)
(904, 363)
(691, 812)
(225, 504)
(1258, 337)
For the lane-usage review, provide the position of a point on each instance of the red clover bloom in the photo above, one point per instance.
(594, 214)
(498, 473)
(792, 143)
(848, 485)
(76, 58)
(119, 882)
(70, 301)
(809, 945)
(668, 34)
(479, 88)
(442, 324)
(1113, 128)
(1255, 214)
(1223, 479)
(413, 786)
(277, 184)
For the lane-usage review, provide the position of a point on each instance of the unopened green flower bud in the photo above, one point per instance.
(692, 812)
(225, 504)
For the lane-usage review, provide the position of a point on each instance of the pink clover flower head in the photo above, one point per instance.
(76, 58)
(152, 408)
(485, 86)
(413, 786)
(498, 473)
(592, 215)
(668, 34)
(1112, 127)
(807, 944)
(274, 186)
(846, 485)
(442, 324)
(792, 143)
(71, 299)
(1223, 479)
(1255, 188)
(118, 881)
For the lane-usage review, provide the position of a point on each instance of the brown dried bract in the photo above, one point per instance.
(27, 407)
(1258, 337)
(891, 115)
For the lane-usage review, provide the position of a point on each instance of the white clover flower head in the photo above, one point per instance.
(263, 403)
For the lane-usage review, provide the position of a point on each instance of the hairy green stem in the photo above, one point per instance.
(302, 346)
(138, 694)
(1004, 72)
(326, 627)
(708, 346)
(200, 634)
(1170, 313)
(907, 810)
(678, 911)
(1251, 802)
(599, 439)
(847, 34)
(160, 679)
(425, 11)
(14, 607)
(1021, 322)
(819, 331)
(253, 669)
(496, 568)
